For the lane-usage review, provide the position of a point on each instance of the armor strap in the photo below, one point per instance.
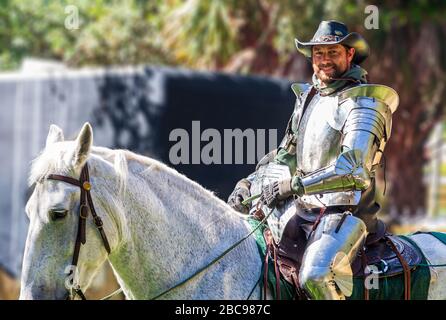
(289, 136)
(290, 144)
(308, 98)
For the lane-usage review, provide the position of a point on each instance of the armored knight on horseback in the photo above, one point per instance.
(332, 147)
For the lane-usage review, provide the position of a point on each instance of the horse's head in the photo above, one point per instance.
(53, 211)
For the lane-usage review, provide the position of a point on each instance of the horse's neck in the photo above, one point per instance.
(173, 227)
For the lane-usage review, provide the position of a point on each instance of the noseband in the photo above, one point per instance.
(86, 205)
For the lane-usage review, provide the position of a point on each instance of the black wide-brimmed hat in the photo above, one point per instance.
(334, 32)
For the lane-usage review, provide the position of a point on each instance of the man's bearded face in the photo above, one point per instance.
(331, 61)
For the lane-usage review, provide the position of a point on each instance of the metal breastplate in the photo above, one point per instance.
(318, 145)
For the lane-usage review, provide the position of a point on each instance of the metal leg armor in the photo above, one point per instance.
(326, 272)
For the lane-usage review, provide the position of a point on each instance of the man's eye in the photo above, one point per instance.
(58, 214)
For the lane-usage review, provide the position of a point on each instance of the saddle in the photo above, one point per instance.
(391, 255)
(384, 256)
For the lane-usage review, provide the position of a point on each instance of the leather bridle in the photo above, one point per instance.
(86, 205)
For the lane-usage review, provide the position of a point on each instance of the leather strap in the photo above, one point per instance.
(406, 269)
(308, 99)
(338, 227)
(276, 271)
(64, 179)
(290, 145)
(364, 266)
(271, 252)
(291, 274)
(265, 271)
(85, 205)
(80, 293)
(97, 220)
(318, 219)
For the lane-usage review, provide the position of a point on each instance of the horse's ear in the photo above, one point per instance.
(83, 145)
(54, 135)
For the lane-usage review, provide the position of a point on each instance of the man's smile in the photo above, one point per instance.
(326, 68)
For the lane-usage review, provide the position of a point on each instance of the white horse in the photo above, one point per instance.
(162, 228)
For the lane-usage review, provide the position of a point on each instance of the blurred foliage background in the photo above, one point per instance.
(254, 37)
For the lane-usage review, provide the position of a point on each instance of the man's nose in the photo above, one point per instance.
(326, 57)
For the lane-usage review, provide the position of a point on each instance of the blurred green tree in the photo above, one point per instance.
(254, 37)
(109, 32)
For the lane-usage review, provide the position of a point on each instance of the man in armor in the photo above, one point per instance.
(333, 142)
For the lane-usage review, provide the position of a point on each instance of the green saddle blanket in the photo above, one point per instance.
(392, 287)
(287, 291)
(388, 288)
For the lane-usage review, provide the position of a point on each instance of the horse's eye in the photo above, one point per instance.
(58, 214)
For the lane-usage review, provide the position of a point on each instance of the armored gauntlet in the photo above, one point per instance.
(281, 190)
(241, 192)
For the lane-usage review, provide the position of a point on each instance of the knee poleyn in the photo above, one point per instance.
(319, 283)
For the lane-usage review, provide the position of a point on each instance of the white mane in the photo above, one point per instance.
(55, 159)
(50, 161)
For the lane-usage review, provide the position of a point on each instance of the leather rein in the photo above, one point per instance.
(86, 206)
